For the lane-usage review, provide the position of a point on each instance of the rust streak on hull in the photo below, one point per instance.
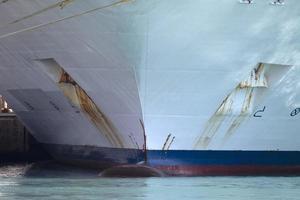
(97, 117)
(242, 116)
(81, 99)
(237, 105)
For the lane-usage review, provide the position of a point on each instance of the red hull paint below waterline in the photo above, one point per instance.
(230, 170)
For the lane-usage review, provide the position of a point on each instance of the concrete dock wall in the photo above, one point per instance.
(13, 135)
(16, 142)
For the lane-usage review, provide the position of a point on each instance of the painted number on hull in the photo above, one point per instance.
(54, 106)
(29, 106)
(295, 112)
(258, 113)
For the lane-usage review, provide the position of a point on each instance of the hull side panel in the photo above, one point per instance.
(94, 157)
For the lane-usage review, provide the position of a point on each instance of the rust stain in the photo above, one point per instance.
(215, 122)
(256, 79)
(80, 98)
(244, 93)
(211, 128)
(97, 117)
(247, 101)
(242, 115)
(225, 107)
(258, 70)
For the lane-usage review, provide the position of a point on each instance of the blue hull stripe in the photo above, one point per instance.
(174, 157)
(193, 157)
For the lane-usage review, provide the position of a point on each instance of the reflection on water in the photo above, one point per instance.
(23, 182)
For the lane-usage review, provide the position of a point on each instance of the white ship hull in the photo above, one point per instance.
(214, 74)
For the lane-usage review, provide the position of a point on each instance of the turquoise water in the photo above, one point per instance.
(14, 184)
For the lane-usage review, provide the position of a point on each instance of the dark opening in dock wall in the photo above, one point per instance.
(16, 142)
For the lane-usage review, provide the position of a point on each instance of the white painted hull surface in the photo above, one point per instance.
(215, 74)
